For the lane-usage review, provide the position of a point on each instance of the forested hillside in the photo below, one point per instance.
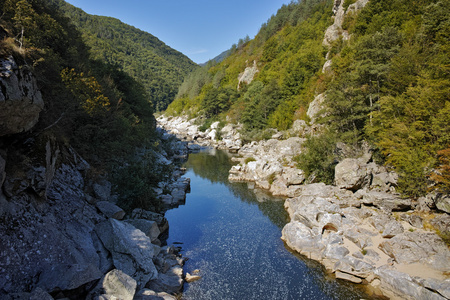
(90, 105)
(387, 82)
(141, 55)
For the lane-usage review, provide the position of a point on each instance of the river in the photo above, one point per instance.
(232, 235)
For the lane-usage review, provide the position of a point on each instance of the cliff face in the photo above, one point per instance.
(20, 99)
(61, 234)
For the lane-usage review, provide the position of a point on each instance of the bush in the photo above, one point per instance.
(319, 158)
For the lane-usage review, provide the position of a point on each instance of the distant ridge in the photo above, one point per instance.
(158, 67)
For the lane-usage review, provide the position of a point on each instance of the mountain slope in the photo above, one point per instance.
(158, 67)
(381, 75)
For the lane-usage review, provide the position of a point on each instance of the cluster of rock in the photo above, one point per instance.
(187, 130)
(359, 228)
(62, 234)
(58, 240)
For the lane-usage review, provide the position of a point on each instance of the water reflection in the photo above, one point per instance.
(233, 236)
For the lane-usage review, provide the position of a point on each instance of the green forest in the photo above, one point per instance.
(159, 68)
(388, 85)
(91, 103)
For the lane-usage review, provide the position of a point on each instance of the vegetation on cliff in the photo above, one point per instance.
(388, 84)
(91, 105)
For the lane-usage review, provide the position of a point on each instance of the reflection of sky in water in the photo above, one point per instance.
(236, 243)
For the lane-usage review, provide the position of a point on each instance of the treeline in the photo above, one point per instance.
(141, 55)
(91, 105)
(388, 85)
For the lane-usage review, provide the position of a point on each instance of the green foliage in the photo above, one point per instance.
(148, 60)
(96, 108)
(288, 52)
(318, 159)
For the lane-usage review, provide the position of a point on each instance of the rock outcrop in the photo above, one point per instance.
(20, 99)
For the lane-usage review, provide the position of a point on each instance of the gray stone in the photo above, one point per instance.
(20, 98)
(315, 107)
(146, 294)
(115, 285)
(442, 223)
(392, 229)
(403, 286)
(102, 190)
(150, 228)
(423, 247)
(110, 210)
(386, 201)
(40, 294)
(348, 277)
(352, 174)
(443, 202)
(131, 250)
(170, 282)
(248, 74)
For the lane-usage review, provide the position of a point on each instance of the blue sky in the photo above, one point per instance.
(200, 29)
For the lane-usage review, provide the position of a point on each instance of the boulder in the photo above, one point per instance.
(348, 277)
(392, 229)
(131, 250)
(352, 174)
(315, 107)
(40, 294)
(20, 98)
(386, 201)
(402, 286)
(102, 190)
(110, 210)
(414, 247)
(442, 202)
(150, 228)
(170, 282)
(147, 294)
(114, 285)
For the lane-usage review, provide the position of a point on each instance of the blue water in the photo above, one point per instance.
(233, 237)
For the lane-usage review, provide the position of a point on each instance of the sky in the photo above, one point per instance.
(200, 29)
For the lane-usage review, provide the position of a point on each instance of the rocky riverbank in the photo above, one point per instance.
(63, 235)
(360, 229)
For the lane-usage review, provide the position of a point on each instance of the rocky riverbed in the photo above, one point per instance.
(360, 229)
(64, 236)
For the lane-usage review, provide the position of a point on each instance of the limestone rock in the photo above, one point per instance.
(443, 202)
(150, 228)
(403, 286)
(170, 282)
(392, 229)
(110, 210)
(352, 174)
(115, 285)
(248, 74)
(348, 277)
(423, 247)
(131, 250)
(20, 98)
(315, 107)
(147, 294)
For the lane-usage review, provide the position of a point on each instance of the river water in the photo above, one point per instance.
(232, 235)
